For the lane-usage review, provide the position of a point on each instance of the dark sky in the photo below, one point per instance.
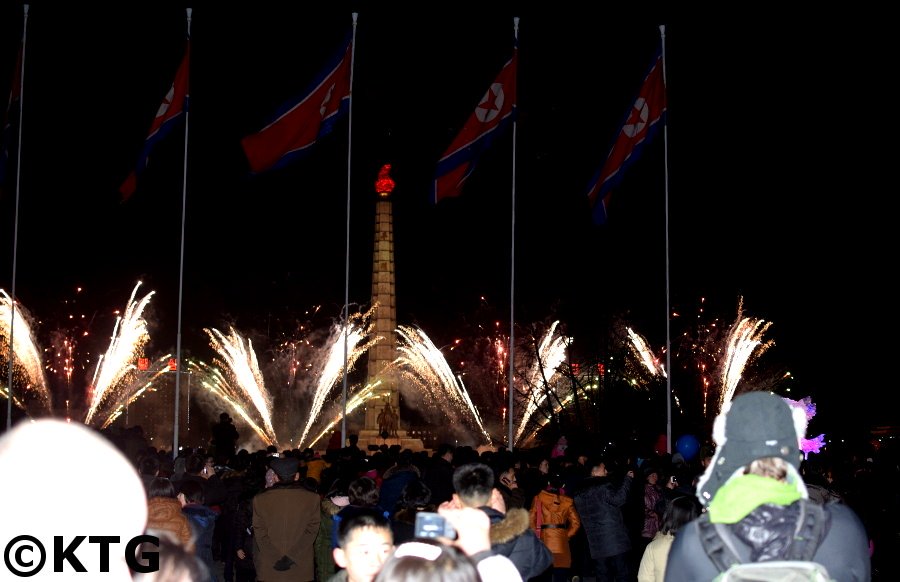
(779, 128)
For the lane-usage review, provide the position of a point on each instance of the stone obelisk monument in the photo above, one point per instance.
(382, 424)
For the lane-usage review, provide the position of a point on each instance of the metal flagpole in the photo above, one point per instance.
(12, 289)
(512, 260)
(346, 311)
(662, 34)
(178, 365)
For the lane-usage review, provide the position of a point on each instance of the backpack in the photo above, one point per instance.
(797, 565)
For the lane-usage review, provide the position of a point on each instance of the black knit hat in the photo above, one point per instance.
(754, 426)
(285, 467)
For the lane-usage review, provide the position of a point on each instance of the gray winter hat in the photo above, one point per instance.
(752, 426)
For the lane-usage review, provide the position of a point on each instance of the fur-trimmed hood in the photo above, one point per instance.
(507, 527)
(329, 507)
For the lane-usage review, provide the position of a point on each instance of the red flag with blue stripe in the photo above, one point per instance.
(639, 127)
(299, 124)
(173, 106)
(494, 112)
(12, 112)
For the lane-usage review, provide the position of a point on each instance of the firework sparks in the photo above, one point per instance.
(556, 409)
(551, 353)
(353, 403)
(425, 365)
(644, 354)
(242, 386)
(216, 384)
(26, 356)
(744, 342)
(813, 445)
(129, 337)
(239, 358)
(359, 340)
(135, 390)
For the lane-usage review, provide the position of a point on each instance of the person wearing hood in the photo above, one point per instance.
(753, 487)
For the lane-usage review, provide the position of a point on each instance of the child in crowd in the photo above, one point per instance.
(365, 541)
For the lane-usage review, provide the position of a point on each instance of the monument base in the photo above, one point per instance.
(371, 437)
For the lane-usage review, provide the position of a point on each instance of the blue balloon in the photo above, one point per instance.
(688, 446)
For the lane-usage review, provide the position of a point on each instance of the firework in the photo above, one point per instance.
(642, 351)
(239, 359)
(424, 364)
(132, 392)
(240, 383)
(215, 383)
(114, 367)
(358, 340)
(25, 355)
(744, 343)
(813, 445)
(354, 402)
(551, 353)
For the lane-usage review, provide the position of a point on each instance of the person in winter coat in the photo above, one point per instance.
(415, 498)
(438, 475)
(333, 501)
(510, 531)
(678, 512)
(598, 501)
(753, 487)
(242, 538)
(164, 513)
(285, 524)
(203, 522)
(554, 519)
(651, 518)
(395, 479)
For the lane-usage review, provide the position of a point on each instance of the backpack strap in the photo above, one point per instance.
(718, 543)
(809, 531)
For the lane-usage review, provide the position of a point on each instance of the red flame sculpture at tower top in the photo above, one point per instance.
(384, 185)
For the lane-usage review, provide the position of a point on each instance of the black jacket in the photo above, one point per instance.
(599, 501)
(512, 536)
(844, 551)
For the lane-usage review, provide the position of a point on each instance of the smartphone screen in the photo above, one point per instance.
(433, 525)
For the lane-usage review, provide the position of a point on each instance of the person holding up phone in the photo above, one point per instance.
(510, 534)
(441, 559)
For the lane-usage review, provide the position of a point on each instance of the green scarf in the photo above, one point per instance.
(742, 494)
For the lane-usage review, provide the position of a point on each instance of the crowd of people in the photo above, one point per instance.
(560, 514)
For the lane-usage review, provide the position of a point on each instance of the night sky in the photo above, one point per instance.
(779, 127)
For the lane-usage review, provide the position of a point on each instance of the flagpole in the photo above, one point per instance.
(512, 260)
(178, 366)
(12, 289)
(662, 34)
(346, 311)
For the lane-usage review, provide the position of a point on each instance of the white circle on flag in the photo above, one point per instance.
(491, 103)
(167, 100)
(324, 106)
(638, 120)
